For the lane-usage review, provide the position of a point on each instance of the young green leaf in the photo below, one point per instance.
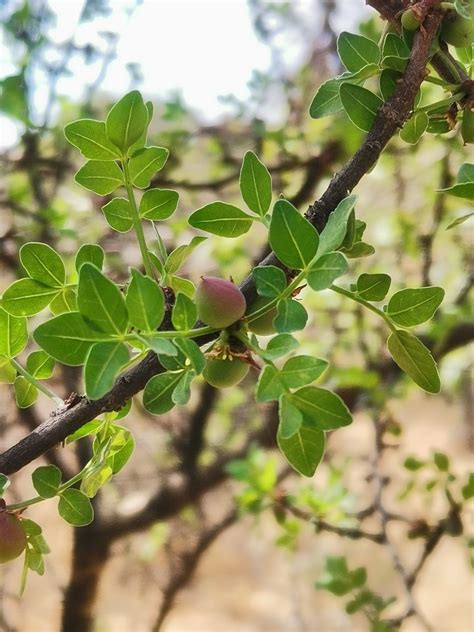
(100, 301)
(304, 449)
(90, 253)
(464, 188)
(90, 138)
(179, 255)
(302, 370)
(279, 346)
(395, 53)
(67, 338)
(360, 105)
(182, 392)
(292, 238)
(42, 263)
(145, 163)
(269, 385)
(123, 446)
(291, 316)
(27, 297)
(336, 228)
(13, 334)
(255, 184)
(414, 128)
(415, 360)
(192, 352)
(100, 176)
(26, 393)
(184, 313)
(65, 301)
(103, 362)
(411, 307)
(158, 204)
(46, 480)
(7, 372)
(220, 218)
(127, 120)
(40, 365)
(326, 101)
(161, 346)
(357, 51)
(145, 302)
(373, 287)
(119, 214)
(359, 249)
(269, 280)
(157, 396)
(321, 407)
(326, 270)
(290, 418)
(75, 508)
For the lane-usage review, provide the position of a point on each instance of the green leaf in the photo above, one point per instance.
(145, 302)
(326, 270)
(388, 83)
(182, 392)
(43, 264)
(304, 449)
(326, 101)
(464, 8)
(103, 362)
(179, 255)
(100, 176)
(441, 461)
(395, 53)
(40, 365)
(4, 483)
(46, 480)
(158, 204)
(292, 238)
(460, 220)
(468, 488)
(290, 418)
(373, 287)
(65, 301)
(100, 301)
(192, 352)
(90, 138)
(335, 230)
(302, 370)
(269, 385)
(182, 285)
(415, 360)
(269, 280)
(255, 184)
(27, 297)
(356, 51)
(279, 346)
(13, 334)
(184, 313)
(161, 346)
(90, 253)
(75, 508)
(414, 128)
(157, 396)
(7, 371)
(122, 454)
(411, 307)
(465, 183)
(359, 249)
(127, 120)
(291, 316)
(25, 393)
(360, 105)
(119, 214)
(220, 218)
(321, 407)
(145, 163)
(67, 338)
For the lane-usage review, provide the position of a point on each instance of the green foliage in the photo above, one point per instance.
(220, 218)
(413, 307)
(292, 238)
(255, 184)
(415, 360)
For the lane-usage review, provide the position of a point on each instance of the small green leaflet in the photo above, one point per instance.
(255, 184)
(4, 483)
(145, 302)
(304, 449)
(357, 51)
(182, 392)
(90, 253)
(290, 418)
(25, 393)
(415, 360)
(326, 101)
(100, 176)
(157, 396)
(395, 53)
(269, 280)
(220, 218)
(119, 214)
(158, 204)
(360, 105)
(43, 264)
(460, 220)
(321, 407)
(464, 188)
(75, 507)
(269, 385)
(291, 316)
(127, 120)
(100, 301)
(145, 163)
(161, 346)
(179, 255)
(27, 297)
(46, 480)
(411, 307)
(373, 287)
(359, 249)
(414, 128)
(184, 313)
(301, 370)
(103, 362)
(40, 365)
(7, 371)
(90, 138)
(292, 238)
(65, 301)
(13, 334)
(335, 230)
(279, 346)
(192, 352)
(326, 270)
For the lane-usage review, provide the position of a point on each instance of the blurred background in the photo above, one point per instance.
(206, 529)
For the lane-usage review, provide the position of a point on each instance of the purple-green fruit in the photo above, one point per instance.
(219, 303)
(457, 31)
(263, 325)
(12, 537)
(409, 20)
(225, 373)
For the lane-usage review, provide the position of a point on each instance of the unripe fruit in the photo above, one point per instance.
(263, 325)
(12, 537)
(224, 373)
(467, 126)
(219, 303)
(457, 31)
(409, 20)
